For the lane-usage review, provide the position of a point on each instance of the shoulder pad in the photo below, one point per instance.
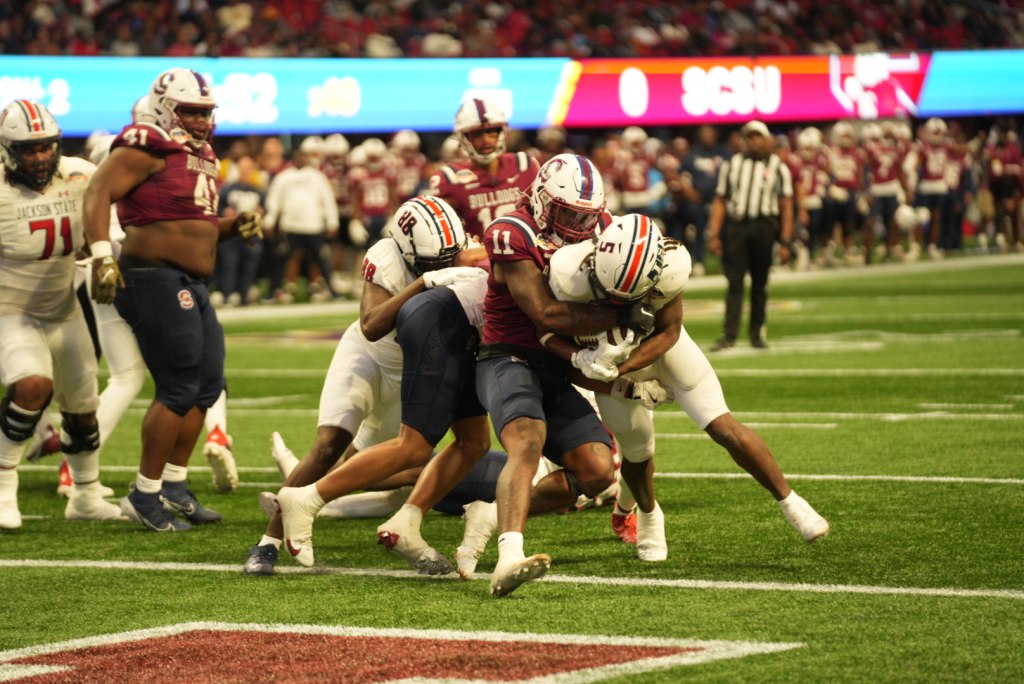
(146, 136)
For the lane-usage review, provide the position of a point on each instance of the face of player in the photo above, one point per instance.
(198, 121)
(485, 140)
(37, 161)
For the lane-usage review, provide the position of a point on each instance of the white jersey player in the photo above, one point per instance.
(45, 349)
(595, 270)
(360, 404)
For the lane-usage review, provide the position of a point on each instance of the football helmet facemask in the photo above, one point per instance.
(429, 233)
(30, 143)
(567, 198)
(481, 115)
(183, 99)
(627, 260)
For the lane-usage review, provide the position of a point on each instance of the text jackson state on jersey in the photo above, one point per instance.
(479, 198)
(186, 189)
(39, 234)
(513, 237)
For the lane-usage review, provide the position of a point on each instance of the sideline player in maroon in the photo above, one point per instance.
(490, 182)
(163, 177)
(534, 407)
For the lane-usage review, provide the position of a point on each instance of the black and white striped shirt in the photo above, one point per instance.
(751, 188)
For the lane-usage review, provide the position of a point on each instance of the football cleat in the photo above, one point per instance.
(217, 451)
(297, 516)
(650, 535)
(624, 525)
(261, 560)
(803, 517)
(87, 503)
(481, 521)
(64, 481)
(148, 510)
(505, 580)
(177, 498)
(423, 558)
(47, 442)
(283, 456)
(10, 516)
(268, 503)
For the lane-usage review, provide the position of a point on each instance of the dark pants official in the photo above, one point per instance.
(747, 247)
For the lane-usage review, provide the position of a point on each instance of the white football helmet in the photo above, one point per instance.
(935, 130)
(357, 157)
(313, 145)
(843, 135)
(183, 89)
(26, 124)
(480, 115)
(429, 233)
(628, 259)
(871, 132)
(451, 149)
(336, 145)
(406, 140)
(567, 198)
(634, 137)
(808, 142)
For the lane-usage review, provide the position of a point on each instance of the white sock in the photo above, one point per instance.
(8, 486)
(270, 540)
(510, 547)
(217, 415)
(175, 473)
(312, 495)
(85, 467)
(146, 485)
(367, 504)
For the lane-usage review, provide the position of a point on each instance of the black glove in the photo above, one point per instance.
(638, 316)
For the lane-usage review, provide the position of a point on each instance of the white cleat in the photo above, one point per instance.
(505, 580)
(217, 451)
(10, 516)
(803, 518)
(407, 543)
(88, 504)
(283, 456)
(481, 521)
(650, 535)
(297, 516)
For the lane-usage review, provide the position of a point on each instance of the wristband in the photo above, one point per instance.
(545, 337)
(101, 249)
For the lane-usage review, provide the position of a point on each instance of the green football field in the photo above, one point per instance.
(893, 398)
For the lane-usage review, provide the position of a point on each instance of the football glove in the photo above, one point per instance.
(250, 226)
(638, 316)
(650, 393)
(357, 233)
(106, 278)
(452, 274)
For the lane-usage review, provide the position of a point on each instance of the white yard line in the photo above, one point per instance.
(935, 592)
(858, 415)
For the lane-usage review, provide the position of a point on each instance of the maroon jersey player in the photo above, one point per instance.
(533, 405)
(163, 177)
(489, 182)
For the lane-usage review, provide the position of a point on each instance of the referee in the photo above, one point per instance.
(755, 194)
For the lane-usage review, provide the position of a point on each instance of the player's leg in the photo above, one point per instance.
(27, 375)
(217, 448)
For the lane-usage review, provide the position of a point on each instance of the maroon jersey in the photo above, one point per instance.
(374, 188)
(1004, 160)
(631, 172)
(845, 164)
(884, 167)
(341, 185)
(185, 190)
(959, 164)
(932, 159)
(479, 198)
(513, 237)
(408, 170)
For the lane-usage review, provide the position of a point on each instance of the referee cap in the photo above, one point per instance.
(755, 128)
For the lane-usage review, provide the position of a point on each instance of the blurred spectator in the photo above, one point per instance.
(237, 262)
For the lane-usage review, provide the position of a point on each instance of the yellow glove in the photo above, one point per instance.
(250, 226)
(106, 278)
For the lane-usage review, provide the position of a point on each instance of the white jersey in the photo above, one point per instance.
(385, 266)
(39, 235)
(471, 293)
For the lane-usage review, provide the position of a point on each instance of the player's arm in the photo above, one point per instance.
(125, 168)
(530, 291)
(378, 309)
(668, 323)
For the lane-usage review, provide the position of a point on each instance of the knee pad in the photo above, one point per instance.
(574, 484)
(16, 423)
(179, 395)
(82, 431)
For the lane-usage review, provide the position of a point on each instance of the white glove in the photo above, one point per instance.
(357, 233)
(617, 353)
(590, 363)
(447, 276)
(650, 393)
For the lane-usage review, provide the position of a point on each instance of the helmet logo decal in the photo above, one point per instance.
(587, 189)
(204, 87)
(31, 115)
(550, 169)
(480, 110)
(164, 80)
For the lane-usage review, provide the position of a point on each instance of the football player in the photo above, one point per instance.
(163, 178)
(490, 181)
(45, 349)
(360, 402)
(621, 266)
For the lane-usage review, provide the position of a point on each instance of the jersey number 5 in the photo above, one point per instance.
(50, 226)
